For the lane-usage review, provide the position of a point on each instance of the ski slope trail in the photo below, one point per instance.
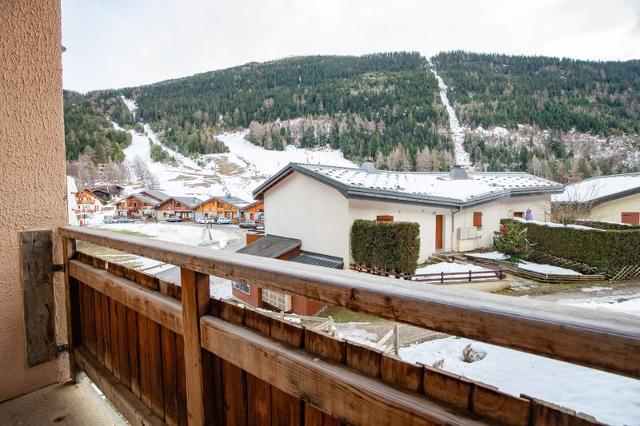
(457, 131)
(236, 173)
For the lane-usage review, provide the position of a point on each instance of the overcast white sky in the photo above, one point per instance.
(119, 43)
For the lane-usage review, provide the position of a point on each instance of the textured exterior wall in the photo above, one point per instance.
(301, 207)
(612, 211)
(32, 172)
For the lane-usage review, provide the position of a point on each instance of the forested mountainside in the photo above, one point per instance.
(380, 106)
(560, 118)
(88, 127)
(557, 94)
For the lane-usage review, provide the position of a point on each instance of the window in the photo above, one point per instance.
(245, 288)
(277, 300)
(384, 218)
(632, 218)
(477, 219)
(518, 214)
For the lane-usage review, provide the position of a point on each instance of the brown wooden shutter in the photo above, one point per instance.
(518, 214)
(477, 219)
(384, 218)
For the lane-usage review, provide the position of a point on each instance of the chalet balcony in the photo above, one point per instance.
(172, 354)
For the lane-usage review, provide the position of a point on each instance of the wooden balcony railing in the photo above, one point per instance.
(171, 354)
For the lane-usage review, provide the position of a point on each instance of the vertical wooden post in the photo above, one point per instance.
(396, 339)
(195, 300)
(68, 250)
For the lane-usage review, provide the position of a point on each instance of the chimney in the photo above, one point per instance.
(458, 173)
(368, 166)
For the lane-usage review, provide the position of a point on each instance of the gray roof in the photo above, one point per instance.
(146, 198)
(600, 189)
(429, 188)
(238, 202)
(318, 259)
(270, 246)
(154, 193)
(190, 202)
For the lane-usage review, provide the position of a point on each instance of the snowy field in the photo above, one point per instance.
(237, 173)
(610, 398)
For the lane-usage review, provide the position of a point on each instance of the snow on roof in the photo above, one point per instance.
(600, 188)
(238, 202)
(190, 202)
(423, 186)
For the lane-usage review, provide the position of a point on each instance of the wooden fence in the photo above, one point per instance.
(469, 276)
(170, 354)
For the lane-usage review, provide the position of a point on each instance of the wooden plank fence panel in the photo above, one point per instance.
(235, 394)
(286, 410)
(155, 367)
(123, 346)
(169, 376)
(134, 360)
(401, 373)
(259, 401)
(106, 332)
(500, 407)
(181, 386)
(115, 353)
(143, 352)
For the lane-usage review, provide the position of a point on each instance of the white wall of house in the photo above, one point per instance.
(612, 210)
(425, 216)
(301, 207)
(319, 215)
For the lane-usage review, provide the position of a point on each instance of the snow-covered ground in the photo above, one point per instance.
(457, 131)
(627, 304)
(541, 268)
(448, 267)
(176, 233)
(235, 173)
(610, 398)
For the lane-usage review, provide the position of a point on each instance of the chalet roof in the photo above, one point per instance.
(318, 259)
(235, 201)
(190, 202)
(270, 246)
(432, 188)
(600, 189)
(154, 193)
(146, 198)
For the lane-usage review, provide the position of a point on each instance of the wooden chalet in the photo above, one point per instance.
(182, 207)
(87, 201)
(141, 204)
(281, 248)
(216, 207)
(107, 192)
(254, 211)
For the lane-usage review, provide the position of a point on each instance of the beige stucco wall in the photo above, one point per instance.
(612, 210)
(32, 171)
(319, 215)
(301, 207)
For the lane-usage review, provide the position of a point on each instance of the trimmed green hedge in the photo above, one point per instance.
(607, 225)
(607, 250)
(392, 246)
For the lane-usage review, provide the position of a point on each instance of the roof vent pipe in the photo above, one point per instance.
(368, 166)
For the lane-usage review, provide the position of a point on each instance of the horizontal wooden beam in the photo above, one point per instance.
(119, 395)
(164, 310)
(336, 390)
(607, 341)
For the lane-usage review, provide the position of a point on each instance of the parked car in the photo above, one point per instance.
(174, 219)
(224, 221)
(109, 219)
(206, 221)
(125, 220)
(249, 224)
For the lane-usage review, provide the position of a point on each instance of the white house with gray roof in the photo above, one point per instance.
(458, 210)
(613, 198)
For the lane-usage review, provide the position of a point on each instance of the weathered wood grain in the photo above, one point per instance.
(336, 390)
(195, 302)
(606, 340)
(161, 309)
